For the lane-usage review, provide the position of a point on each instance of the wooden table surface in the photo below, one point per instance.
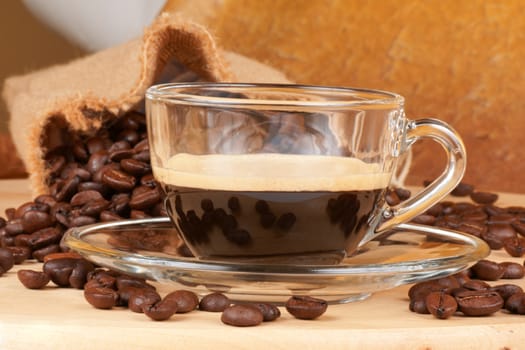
(59, 318)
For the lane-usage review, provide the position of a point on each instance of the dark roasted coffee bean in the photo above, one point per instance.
(138, 214)
(131, 136)
(106, 216)
(135, 167)
(118, 180)
(24, 208)
(20, 254)
(488, 270)
(449, 283)
(3, 222)
(484, 197)
(33, 279)
(144, 198)
(186, 300)
(55, 164)
(514, 246)
(97, 161)
(520, 226)
(141, 146)
(81, 220)
(83, 197)
(462, 189)
(496, 234)
(40, 254)
(435, 210)
(161, 310)
(419, 306)
(118, 155)
(515, 304)
(473, 228)
(79, 151)
(124, 281)
(59, 270)
(463, 276)
(424, 219)
(242, 315)
(97, 177)
(137, 301)
(34, 220)
(479, 303)
(78, 277)
(506, 290)
(103, 278)
(512, 270)
(306, 308)
(403, 193)
(62, 255)
(6, 259)
(441, 305)
(475, 284)
(475, 216)
(68, 189)
(148, 181)
(44, 237)
(95, 207)
(120, 204)
(143, 156)
(270, 312)
(93, 186)
(101, 297)
(14, 227)
(262, 207)
(422, 289)
(46, 199)
(502, 219)
(214, 302)
(392, 198)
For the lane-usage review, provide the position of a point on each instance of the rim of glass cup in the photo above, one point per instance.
(339, 97)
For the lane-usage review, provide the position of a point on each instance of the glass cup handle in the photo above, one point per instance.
(448, 138)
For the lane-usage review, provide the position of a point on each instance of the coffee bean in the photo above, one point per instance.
(186, 300)
(44, 237)
(422, 289)
(144, 197)
(514, 246)
(270, 312)
(306, 308)
(515, 304)
(139, 300)
(476, 285)
(6, 259)
(234, 204)
(484, 197)
(14, 227)
(68, 189)
(41, 253)
(124, 281)
(506, 290)
(20, 254)
(83, 197)
(101, 297)
(512, 270)
(242, 316)
(479, 303)
(392, 198)
(488, 270)
(161, 310)
(462, 189)
(29, 206)
(238, 236)
(118, 180)
(135, 167)
(78, 276)
(33, 279)
(441, 305)
(419, 306)
(62, 255)
(214, 302)
(59, 270)
(424, 219)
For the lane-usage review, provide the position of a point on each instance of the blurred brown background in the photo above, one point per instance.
(27, 45)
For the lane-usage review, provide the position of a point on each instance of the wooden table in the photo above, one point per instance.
(59, 318)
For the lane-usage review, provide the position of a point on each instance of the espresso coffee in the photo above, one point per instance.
(271, 206)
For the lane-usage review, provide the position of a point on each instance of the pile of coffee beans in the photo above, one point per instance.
(96, 178)
(468, 292)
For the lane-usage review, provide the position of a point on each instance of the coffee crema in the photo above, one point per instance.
(274, 207)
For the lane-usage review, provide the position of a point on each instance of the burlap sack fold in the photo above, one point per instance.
(82, 95)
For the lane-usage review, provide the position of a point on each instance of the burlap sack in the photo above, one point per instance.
(81, 95)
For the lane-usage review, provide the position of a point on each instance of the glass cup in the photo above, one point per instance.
(286, 174)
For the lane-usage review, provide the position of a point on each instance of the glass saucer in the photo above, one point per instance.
(150, 248)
